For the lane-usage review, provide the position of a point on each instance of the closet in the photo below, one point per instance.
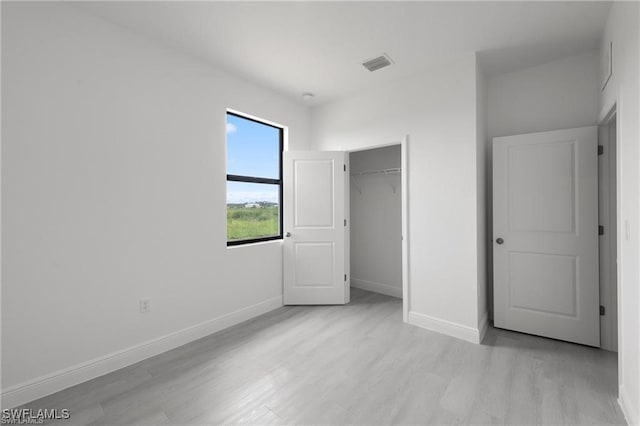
(376, 220)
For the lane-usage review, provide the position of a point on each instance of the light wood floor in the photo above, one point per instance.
(355, 364)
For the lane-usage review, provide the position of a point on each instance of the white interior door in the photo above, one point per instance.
(314, 228)
(545, 222)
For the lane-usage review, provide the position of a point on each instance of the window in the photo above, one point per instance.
(254, 180)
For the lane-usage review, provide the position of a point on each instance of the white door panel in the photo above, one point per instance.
(314, 214)
(545, 212)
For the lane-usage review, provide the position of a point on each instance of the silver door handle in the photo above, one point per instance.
(288, 234)
(499, 241)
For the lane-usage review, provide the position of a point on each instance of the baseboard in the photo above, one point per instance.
(628, 410)
(449, 328)
(377, 287)
(62, 379)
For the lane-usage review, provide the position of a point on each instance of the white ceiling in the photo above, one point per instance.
(318, 47)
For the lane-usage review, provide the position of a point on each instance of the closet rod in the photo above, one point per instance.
(377, 172)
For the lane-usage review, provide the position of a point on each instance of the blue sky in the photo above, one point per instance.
(252, 150)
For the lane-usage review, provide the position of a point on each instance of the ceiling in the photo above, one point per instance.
(296, 47)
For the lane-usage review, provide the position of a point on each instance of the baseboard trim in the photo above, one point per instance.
(62, 379)
(629, 412)
(449, 328)
(377, 287)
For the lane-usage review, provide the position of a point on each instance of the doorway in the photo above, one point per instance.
(377, 218)
(376, 224)
(607, 240)
(317, 268)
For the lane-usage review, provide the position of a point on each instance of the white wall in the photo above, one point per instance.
(113, 189)
(623, 91)
(437, 109)
(376, 222)
(557, 95)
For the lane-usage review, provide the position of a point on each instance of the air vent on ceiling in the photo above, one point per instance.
(377, 63)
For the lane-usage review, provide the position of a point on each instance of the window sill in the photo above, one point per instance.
(257, 243)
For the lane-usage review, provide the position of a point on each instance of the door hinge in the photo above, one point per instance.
(600, 149)
(601, 310)
(345, 278)
(345, 222)
(345, 167)
(600, 230)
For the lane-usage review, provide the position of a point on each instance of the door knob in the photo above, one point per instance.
(288, 234)
(499, 241)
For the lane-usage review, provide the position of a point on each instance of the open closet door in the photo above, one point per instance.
(314, 228)
(545, 224)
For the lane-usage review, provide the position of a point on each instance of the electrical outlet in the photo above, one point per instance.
(145, 306)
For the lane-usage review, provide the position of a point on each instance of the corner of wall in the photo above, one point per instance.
(459, 331)
(483, 194)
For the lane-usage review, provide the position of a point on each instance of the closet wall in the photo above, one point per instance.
(376, 220)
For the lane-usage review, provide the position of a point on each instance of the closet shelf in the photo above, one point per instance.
(377, 172)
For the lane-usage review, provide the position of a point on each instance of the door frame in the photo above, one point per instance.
(404, 190)
(609, 251)
(609, 116)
